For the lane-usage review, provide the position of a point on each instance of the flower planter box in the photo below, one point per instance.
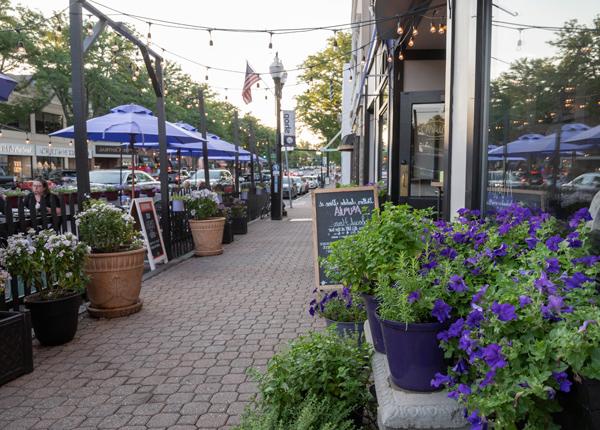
(228, 233)
(111, 195)
(413, 354)
(96, 194)
(149, 193)
(54, 321)
(371, 304)
(349, 329)
(13, 201)
(67, 197)
(581, 406)
(239, 225)
(178, 205)
(16, 356)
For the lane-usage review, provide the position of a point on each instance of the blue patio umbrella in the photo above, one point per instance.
(129, 123)
(7, 85)
(589, 138)
(536, 143)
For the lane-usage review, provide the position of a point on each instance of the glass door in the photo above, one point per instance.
(422, 153)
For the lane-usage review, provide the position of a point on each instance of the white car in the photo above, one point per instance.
(216, 177)
(117, 177)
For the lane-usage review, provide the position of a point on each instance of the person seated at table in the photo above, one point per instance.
(41, 195)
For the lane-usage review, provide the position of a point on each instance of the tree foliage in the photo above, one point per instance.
(320, 106)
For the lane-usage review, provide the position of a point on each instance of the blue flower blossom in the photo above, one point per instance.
(492, 355)
(457, 284)
(582, 214)
(524, 301)
(544, 285)
(573, 240)
(531, 242)
(488, 379)
(414, 296)
(477, 422)
(461, 367)
(439, 380)
(441, 310)
(588, 260)
(562, 380)
(553, 242)
(449, 253)
(477, 296)
(474, 318)
(576, 281)
(552, 265)
(504, 311)
(464, 389)
(585, 324)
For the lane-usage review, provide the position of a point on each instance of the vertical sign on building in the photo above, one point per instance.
(289, 128)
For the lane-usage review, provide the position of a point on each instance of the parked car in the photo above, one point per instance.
(216, 177)
(286, 188)
(313, 182)
(6, 180)
(301, 185)
(115, 177)
(63, 176)
(496, 179)
(580, 190)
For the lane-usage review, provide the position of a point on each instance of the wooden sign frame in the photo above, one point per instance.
(139, 206)
(314, 225)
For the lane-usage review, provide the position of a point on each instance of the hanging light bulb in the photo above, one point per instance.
(0, 132)
(411, 42)
(350, 78)
(70, 143)
(49, 144)
(400, 29)
(149, 37)
(226, 94)
(415, 31)
(401, 56)
(90, 30)
(270, 40)
(206, 76)
(520, 41)
(390, 58)
(27, 140)
(432, 28)
(210, 41)
(258, 85)
(363, 60)
(442, 29)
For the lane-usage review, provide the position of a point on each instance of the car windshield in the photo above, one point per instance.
(213, 174)
(105, 177)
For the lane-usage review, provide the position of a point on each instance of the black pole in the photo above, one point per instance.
(163, 160)
(132, 147)
(276, 185)
(202, 111)
(236, 141)
(79, 100)
(252, 148)
(121, 177)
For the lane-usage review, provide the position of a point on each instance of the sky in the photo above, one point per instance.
(231, 50)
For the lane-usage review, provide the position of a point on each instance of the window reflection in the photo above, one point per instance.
(544, 114)
(426, 148)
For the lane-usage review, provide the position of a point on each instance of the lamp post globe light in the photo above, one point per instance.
(279, 76)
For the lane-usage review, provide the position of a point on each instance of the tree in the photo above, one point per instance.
(320, 106)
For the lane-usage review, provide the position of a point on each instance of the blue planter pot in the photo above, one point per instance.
(413, 354)
(371, 304)
(350, 329)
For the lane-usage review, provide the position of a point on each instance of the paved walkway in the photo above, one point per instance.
(181, 362)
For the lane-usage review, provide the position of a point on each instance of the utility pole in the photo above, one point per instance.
(205, 136)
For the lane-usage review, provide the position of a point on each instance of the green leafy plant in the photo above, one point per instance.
(65, 189)
(338, 307)
(238, 208)
(106, 228)
(15, 193)
(202, 204)
(321, 365)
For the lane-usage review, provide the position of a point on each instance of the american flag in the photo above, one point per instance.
(251, 78)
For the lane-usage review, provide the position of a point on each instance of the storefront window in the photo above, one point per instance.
(14, 165)
(45, 165)
(383, 165)
(544, 106)
(46, 123)
(426, 148)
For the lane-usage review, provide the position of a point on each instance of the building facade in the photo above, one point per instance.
(477, 104)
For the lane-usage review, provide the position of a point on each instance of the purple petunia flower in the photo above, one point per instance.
(457, 284)
(531, 242)
(585, 324)
(459, 237)
(477, 422)
(449, 253)
(574, 241)
(414, 296)
(311, 311)
(488, 379)
(456, 328)
(563, 381)
(464, 389)
(553, 242)
(453, 395)
(582, 214)
(474, 318)
(552, 265)
(477, 296)
(492, 355)
(588, 260)
(504, 311)
(466, 343)
(345, 292)
(576, 281)
(461, 367)
(551, 393)
(441, 310)
(524, 301)
(544, 285)
(472, 261)
(439, 380)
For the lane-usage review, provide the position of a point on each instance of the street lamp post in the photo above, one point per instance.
(279, 76)
(320, 168)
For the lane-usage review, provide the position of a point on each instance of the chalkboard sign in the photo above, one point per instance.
(338, 213)
(144, 212)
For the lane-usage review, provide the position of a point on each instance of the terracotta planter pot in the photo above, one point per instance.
(208, 236)
(115, 283)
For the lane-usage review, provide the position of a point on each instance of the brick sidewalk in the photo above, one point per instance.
(181, 362)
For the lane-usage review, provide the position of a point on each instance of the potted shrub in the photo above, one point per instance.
(16, 357)
(228, 229)
(206, 224)
(52, 264)
(178, 203)
(116, 263)
(96, 192)
(343, 310)
(65, 191)
(365, 259)
(239, 216)
(529, 329)
(12, 197)
(111, 193)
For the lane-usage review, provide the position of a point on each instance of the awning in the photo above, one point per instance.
(348, 142)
